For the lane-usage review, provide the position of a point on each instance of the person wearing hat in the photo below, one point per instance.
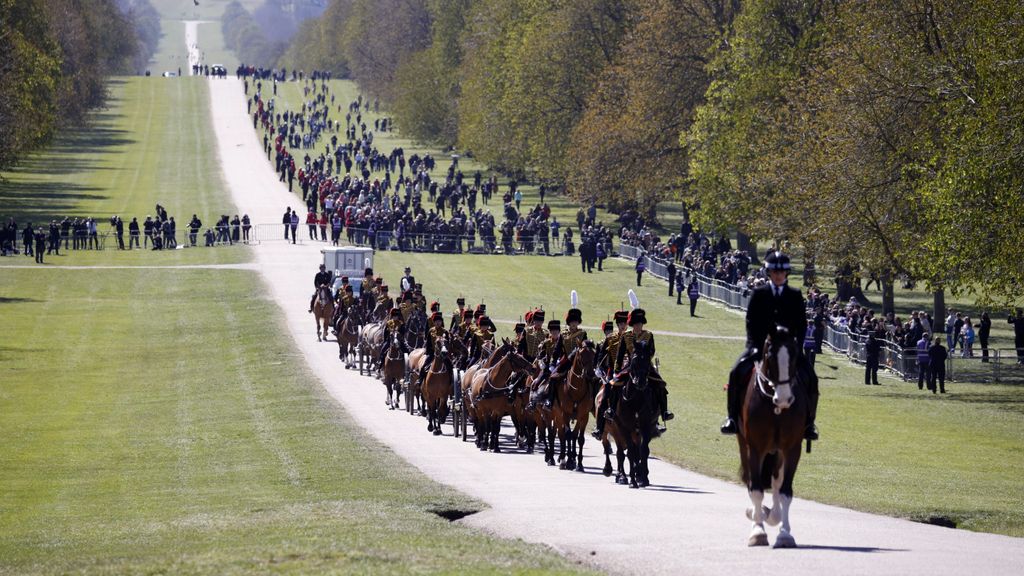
(533, 338)
(383, 299)
(346, 301)
(606, 358)
(457, 315)
(434, 333)
(547, 356)
(465, 327)
(408, 281)
(772, 304)
(407, 305)
(393, 325)
(340, 292)
(483, 334)
(638, 336)
(323, 277)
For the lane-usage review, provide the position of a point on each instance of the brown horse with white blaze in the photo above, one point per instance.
(491, 399)
(393, 371)
(775, 410)
(436, 387)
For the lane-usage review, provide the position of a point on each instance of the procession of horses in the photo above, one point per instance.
(460, 374)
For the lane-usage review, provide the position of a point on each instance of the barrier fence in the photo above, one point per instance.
(1000, 365)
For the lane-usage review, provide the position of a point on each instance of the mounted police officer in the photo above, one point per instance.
(771, 305)
(323, 277)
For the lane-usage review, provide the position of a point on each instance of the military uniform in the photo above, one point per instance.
(627, 345)
(393, 325)
(608, 358)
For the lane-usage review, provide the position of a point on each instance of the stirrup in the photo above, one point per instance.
(811, 432)
(666, 415)
(597, 433)
(728, 427)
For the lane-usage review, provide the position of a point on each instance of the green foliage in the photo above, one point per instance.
(56, 56)
(318, 43)
(378, 38)
(246, 38)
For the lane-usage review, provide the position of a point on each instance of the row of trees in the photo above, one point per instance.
(56, 57)
(880, 136)
(260, 38)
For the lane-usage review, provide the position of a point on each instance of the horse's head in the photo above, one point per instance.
(780, 353)
(583, 363)
(640, 364)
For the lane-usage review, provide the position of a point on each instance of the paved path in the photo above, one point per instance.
(685, 524)
(243, 266)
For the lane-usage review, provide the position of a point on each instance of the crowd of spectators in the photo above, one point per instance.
(387, 198)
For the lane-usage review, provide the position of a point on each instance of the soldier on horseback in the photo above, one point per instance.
(383, 300)
(322, 277)
(345, 302)
(482, 336)
(407, 305)
(434, 333)
(771, 305)
(606, 362)
(457, 315)
(533, 338)
(394, 326)
(637, 336)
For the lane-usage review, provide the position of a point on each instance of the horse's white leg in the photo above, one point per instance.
(758, 537)
(772, 515)
(785, 538)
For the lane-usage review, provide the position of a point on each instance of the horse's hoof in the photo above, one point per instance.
(437, 431)
(634, 485)
(784, 540)
(759, 539)
(529, 450)
(430, 427)
(607, 472)
(579, 467)
(643, 483)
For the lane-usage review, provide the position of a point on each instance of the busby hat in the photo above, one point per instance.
(435, 306)
(407, 296)
(460, 301)
(368, 272)
(554, 325)
(520, 327)
(481, 307)
(383, 287)
(436, 316)
(378, 281)
(607, 326)
(573, 315)
(528, 316)
(478, 313)
(348, 288)
(467, 314)
(777, 261)
(485, 322)
(637, 316)
(344, 279)
(621, 316)
(395, 312)
(538, 315)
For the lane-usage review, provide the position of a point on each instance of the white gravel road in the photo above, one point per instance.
(684, 524)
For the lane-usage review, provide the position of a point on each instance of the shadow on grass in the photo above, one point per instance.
(15, 300)
(42, 201)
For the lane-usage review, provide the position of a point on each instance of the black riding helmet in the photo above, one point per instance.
(777, 260)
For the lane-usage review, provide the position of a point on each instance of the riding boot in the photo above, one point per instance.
(730, 426)
(663, 400)
(811, 431)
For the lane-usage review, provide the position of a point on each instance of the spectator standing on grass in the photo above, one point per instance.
(671, 270)
(40, 240)
(967, 338)
(27, 236)
(937, 356)
(1018, 333)
(119, 229)
(873, 351)
(246, 226)
(133, 233)
(950, 321)
(984, 329)
(680, 286)
(693, 292)
(600, 254)
(958, 326)
(923, 361)
(640, 267)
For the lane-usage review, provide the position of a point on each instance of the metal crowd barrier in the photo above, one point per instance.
(1001, 365)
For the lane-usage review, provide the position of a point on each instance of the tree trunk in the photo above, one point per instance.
(888, 295)
(938, 309)
(743, 243)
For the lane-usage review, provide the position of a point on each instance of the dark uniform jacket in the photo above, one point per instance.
(766, 310)
(325, 277)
